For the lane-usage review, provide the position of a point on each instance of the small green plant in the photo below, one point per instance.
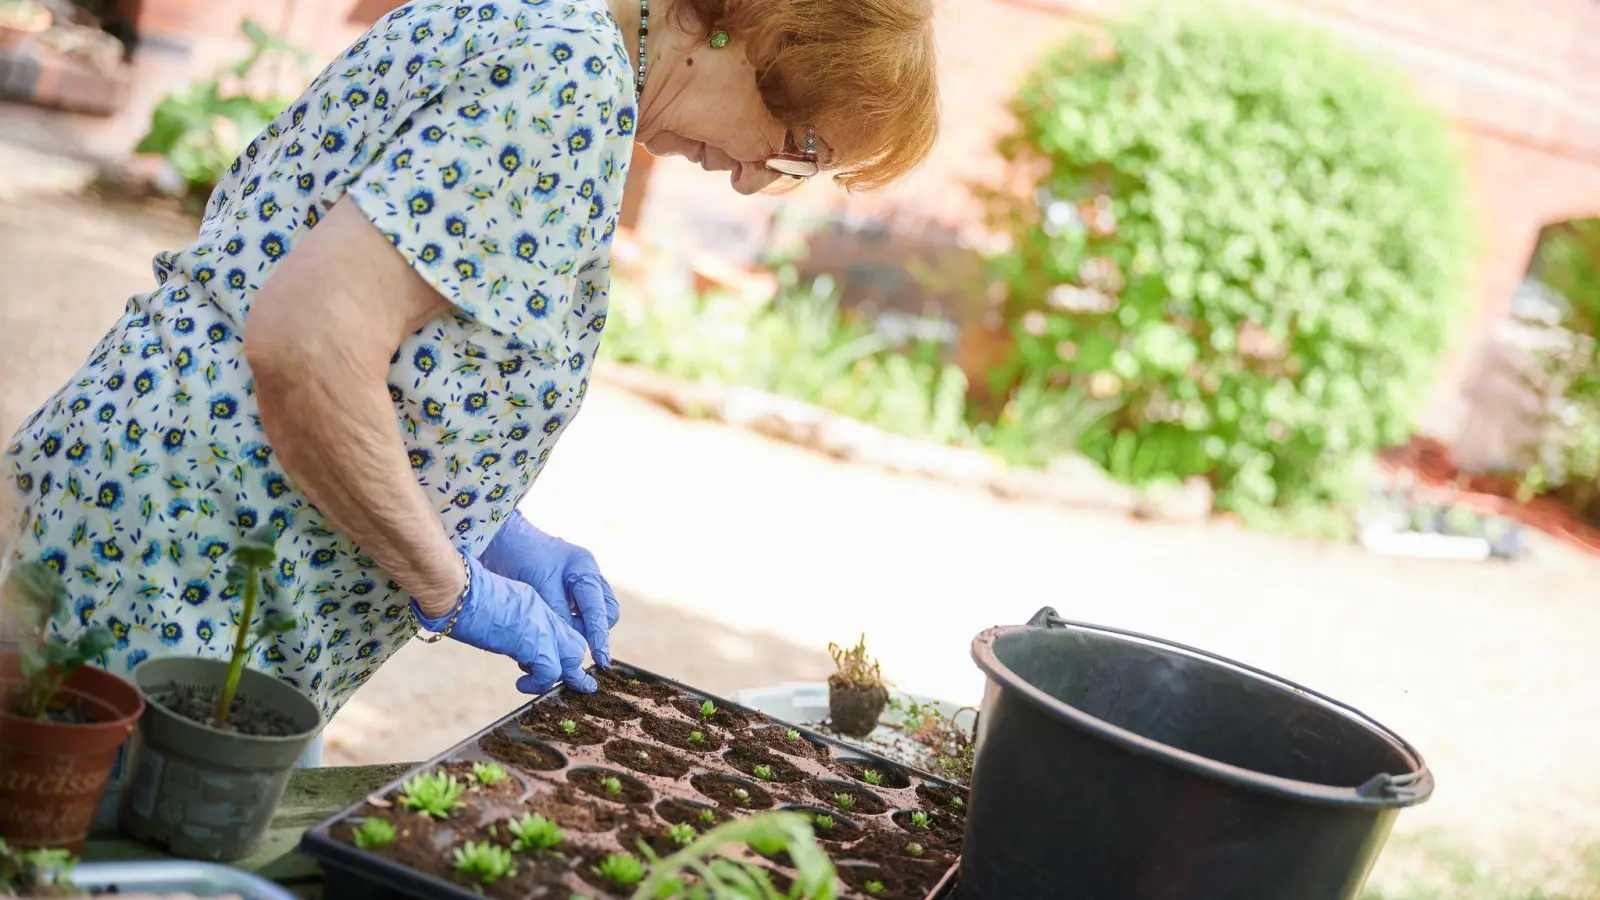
(485, 862)
(823, 822)
(253, 556)
(718, 877)
(611, 785)
(958, 803)
(762, 771)
(854, 667)
(914, 849)
(568, 726)
(708, 709)
(792, 735)
(533, 832)
(681, 833)
(742, 796)
(696, 737)
(871, 776)
(844, 800)
(707, 816)
(642, 755)
(36, 873)
(919, 819)
(489, 774)
(436, 794)
(37, 596)
(634, 682)
(374, 833)
(622, 868)
(873, 887)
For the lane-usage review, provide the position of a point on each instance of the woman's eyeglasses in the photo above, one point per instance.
(794, 161)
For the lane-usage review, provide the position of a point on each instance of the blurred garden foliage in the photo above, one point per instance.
(1251, 237)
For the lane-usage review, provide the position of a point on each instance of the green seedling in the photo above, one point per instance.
(718, 877)
(253, 556)
(823, 822)
(696, 737)
(741, 795)
(611, 785)
(485, 862)
(36, 873)
(762, 771)
(374, 833)
(38, 597)
(622, 868)
(872, 777)
(681, 834)
(919, 820)
(643, 756)
(873, 887)
(845, 801)
(707, 816)
(533, 832)
(489, 774)
(437, 794)
(568, 726)
(708, 709)
(958, 803)
(914, 849)
(634, 682)
(792, 735)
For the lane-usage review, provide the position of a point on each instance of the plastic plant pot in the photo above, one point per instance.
(1111, 764)
(52, 774)
(204, 793)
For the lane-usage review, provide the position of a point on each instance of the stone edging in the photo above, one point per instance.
(1074, 483)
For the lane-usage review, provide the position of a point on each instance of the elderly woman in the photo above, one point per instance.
(392, 309)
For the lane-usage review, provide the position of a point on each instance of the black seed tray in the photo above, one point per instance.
(642, 742)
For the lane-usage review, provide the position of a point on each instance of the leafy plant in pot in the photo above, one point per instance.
(61, 721)
(218, 740)
(856, 695)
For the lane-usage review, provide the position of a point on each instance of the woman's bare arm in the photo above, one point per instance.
(319, 340)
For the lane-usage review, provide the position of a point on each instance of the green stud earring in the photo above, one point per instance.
(719, 39)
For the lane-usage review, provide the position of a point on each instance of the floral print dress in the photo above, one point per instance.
(489, 142)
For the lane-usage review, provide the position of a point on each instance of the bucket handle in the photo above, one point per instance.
(1380, 786)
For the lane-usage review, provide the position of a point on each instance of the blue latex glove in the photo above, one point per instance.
(564, 574)
(505, 616)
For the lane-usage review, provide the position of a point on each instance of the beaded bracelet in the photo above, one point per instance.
(454, 612)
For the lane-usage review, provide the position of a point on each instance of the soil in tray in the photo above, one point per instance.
(675, 733)
(936, 798)
(657, 839)
(573, 811)
(600, 705)
(887, 845)
(890, 777)
(942, 833)
(863, 801)
(776, 738)
(514, 749)
(674, 811)
(428, 846)
(546, 721)
(630, 790)
(199, 704)
(646, 758)
(746, 758)
(837, 830)
(636, 687)
(507, 790)
(731, 719)
(720, 789)
(856, 876)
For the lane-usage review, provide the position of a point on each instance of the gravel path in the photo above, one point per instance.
(738, 559)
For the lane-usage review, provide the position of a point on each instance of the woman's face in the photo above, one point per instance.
(708, 110)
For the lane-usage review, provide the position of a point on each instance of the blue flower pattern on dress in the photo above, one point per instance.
(489, 143)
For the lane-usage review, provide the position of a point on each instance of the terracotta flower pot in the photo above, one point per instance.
(52, 773)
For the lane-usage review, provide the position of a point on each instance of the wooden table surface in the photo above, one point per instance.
(312, 795)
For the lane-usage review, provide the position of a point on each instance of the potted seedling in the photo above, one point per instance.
(218, 740)
(856, 695)
(484, 863)
(534, 832)
(435, 795)
(61, 719)
(621, 869)
(36, 873)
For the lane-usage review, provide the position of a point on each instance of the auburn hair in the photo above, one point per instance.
(862, 72)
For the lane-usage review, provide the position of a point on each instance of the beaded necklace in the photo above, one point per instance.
(644, 33)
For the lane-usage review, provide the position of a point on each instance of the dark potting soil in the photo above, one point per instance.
(588, 865)
(853, 709)
(511, 748)
(631, 791)
(864, 803)
(676, 732)
(568, 808)
(546, 722)
(658, 841)
(637, 687)
(942, 799)
(646, 758)
(674, 811)
(857, 876)
(605, 706)
(69, 715)
(888, 776)
(746, 758)
(887, 846)
(721, 789)
(776, 738)
(942, 832)
(505, 791)
(730, 719)
(837, 830)
(200, 704)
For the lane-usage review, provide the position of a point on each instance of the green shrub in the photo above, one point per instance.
(1250, 238)
(1569, 464)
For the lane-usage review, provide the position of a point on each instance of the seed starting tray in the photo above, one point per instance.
(640, 721)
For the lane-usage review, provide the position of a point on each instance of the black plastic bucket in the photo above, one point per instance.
(1115, 766)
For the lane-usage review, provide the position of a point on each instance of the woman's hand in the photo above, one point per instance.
(505, 616)
(565, 575)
